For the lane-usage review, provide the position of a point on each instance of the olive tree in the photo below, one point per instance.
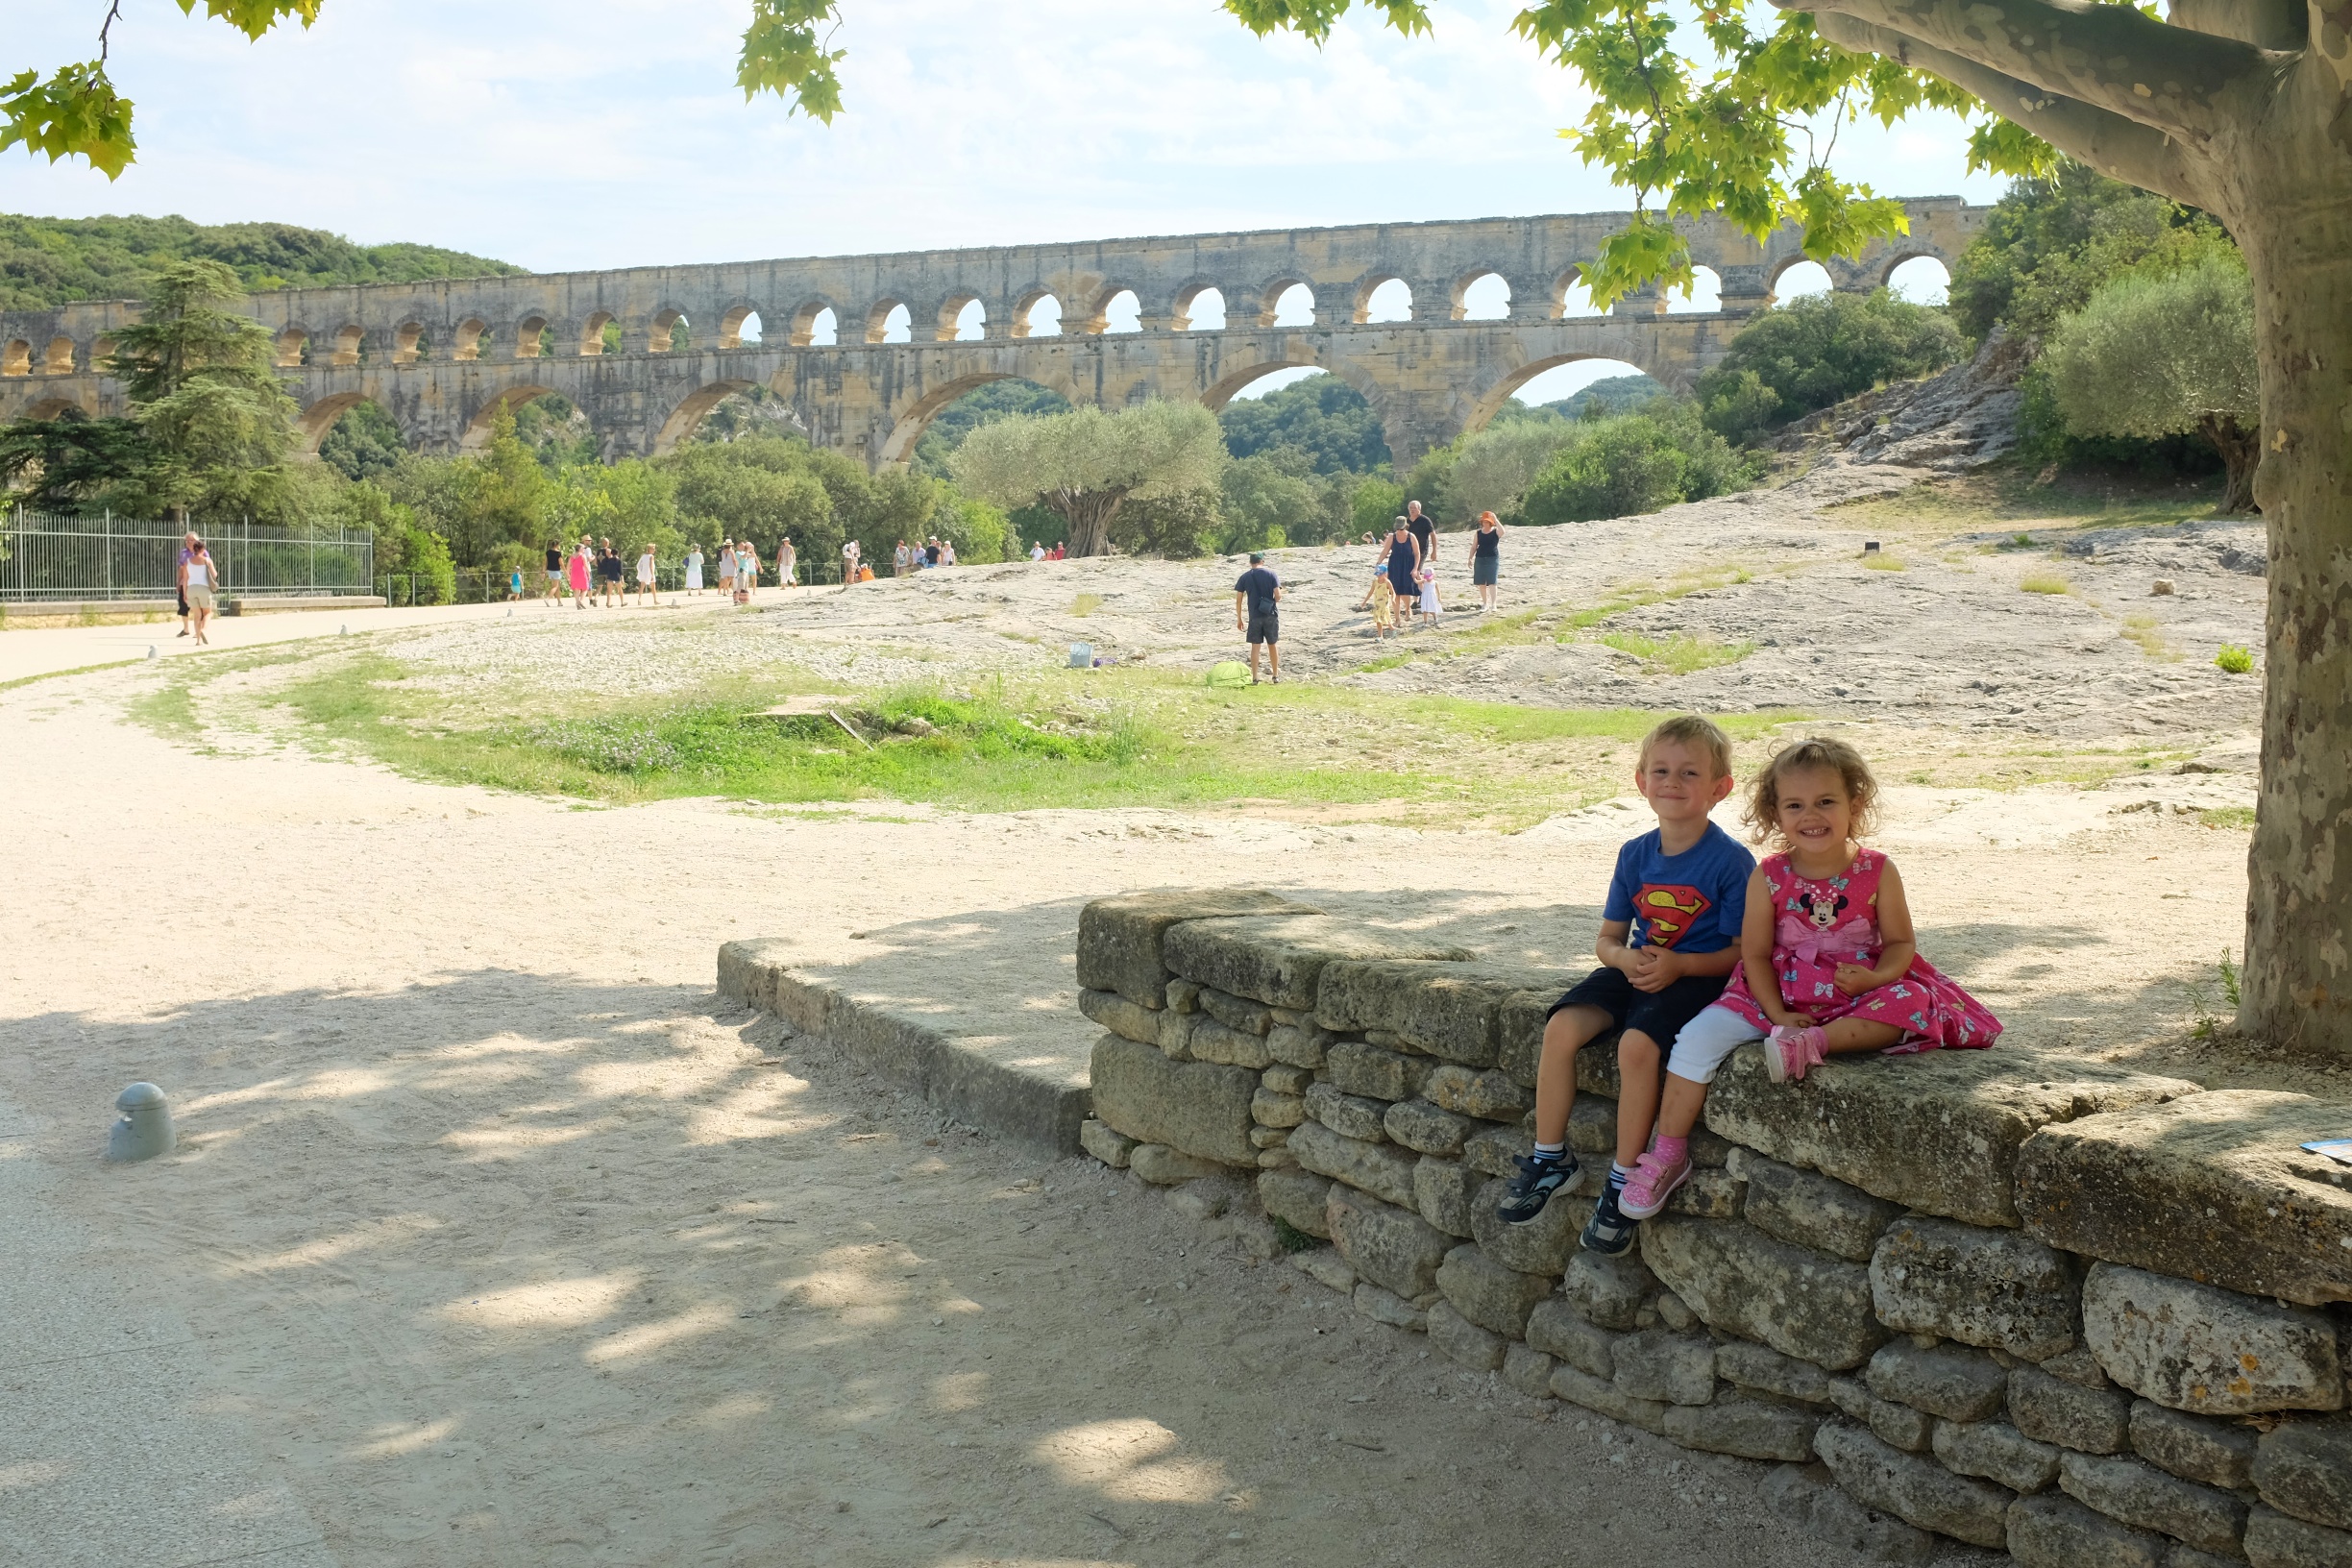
(1086, 464)
(2167, 353)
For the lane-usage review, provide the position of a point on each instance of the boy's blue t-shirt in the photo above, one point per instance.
(1692, 902)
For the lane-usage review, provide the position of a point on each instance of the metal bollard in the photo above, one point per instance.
(145, 1129)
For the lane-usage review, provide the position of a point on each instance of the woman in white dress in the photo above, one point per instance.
(693, 570)
(727, 567)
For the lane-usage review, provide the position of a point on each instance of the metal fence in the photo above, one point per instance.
(43, 556)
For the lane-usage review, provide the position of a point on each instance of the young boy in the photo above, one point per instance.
(1669, 937)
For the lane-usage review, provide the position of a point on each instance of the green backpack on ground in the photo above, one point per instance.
(1230, 673)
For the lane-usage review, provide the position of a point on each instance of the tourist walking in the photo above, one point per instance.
(188, 547)
(1036, 551)
(514, 583)
(849, 563)
(901, 560)
(747, 571)
(554, 572)
(645, 587)
(1487, 559)
(693, 570)
(1424, 533)
(727, 567)
(1401, 561)
(946, 553)
(197, 580)
(788, 564)
(610, 573)
(1257, 615)
(575, 572)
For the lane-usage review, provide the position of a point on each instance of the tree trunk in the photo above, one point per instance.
(1089, 513)
(2241, 452)
(2296, 223)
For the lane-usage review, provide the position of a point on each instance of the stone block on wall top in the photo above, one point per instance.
(1543, 1245)
(1911, 1488)
(1937, 1131)
(2304, 1468)
(1279, 959)
(1382, 1169)
(1519, 1026)
(1496, 1298)
(1737, 1279)
(2213, 1187)
(1119, 940)
(1433, 1006)
(1812, 1210)
(1195, 1107)
(1996, 1288)
(2208, 1350)
(1950, 1381)
(1358, 1066)
(1395, 1249)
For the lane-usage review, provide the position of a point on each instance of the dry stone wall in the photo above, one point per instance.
(2086, 1317)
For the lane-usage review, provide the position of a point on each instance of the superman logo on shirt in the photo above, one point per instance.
(1668, 910)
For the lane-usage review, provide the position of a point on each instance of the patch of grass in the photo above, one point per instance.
(1386, 661)
(2240, 819)
(1291, 1238)
(2143, 630)
(2045, 582)
(1677, 655)
(169, 710)
(1633, 598)
(1085, 604)
(2235, 660)
(2204, 1023)
(1878, 560)
(2012, 494)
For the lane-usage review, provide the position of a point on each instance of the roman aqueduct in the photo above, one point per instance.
(911, 332)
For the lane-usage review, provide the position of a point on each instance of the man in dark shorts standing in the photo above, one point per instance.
(1668, 938)
(1257, 615)
(1424, 533)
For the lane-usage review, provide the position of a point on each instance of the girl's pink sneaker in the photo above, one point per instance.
(1790, 1052)
(1652, 1183)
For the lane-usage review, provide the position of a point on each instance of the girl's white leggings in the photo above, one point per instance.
(1699, 1050)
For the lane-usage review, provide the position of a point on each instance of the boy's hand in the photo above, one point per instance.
(1653, 969)
(1853, 979)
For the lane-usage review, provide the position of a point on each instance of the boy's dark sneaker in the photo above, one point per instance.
(1532, 1188)
(1608, 1232)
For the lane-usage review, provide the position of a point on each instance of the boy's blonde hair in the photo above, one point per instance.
(1694, 730)
(1763, 813)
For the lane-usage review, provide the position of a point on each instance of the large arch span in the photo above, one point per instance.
(441, 357)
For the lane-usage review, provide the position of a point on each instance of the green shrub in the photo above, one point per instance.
(1793, 359)
(1633, 464)
(2236, 660)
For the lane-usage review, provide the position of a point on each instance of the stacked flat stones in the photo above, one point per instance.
(2088, 1316)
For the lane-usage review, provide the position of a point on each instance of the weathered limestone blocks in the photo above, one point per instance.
(1937, 1131)
(1943, 1380)
(1275, 959)
(1099, 1138)
(2198, 1448)
(1489, 1096)
(1612, 1292)
(1997, 1451)
(2211, 1188)
(1995, 1288)
(1423, 1127)
(1197, 1106)
(1756, 1366)
(1130, 1020)
(1382, 1169)
(1542, 1246)
(2208, 1350)
(1741, 1280)
(2058, 1533)
(2278, 1540)
(2057, 1410)
(1395, 1249)
(2139, 1494)
(1913, 1488)
(1350, 1115)
(1433, 1008)
(1496, 1298)
(2304, 1468)
(1119, 938)
(1806, 1498)
(1463, 1341)
(1297, 1198)
(1445, 1193)
(1357, 1067)
(1811, 1210)
(1555, 1328)
(1669, 1367)
(1752, 1429)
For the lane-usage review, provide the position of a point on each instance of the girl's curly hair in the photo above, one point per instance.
(1763, 815)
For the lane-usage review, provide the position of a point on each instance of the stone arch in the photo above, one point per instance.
(1034, 296)
(468, 342)
(476, 433)
(16, 360)
(1776, 270)
(1302, 356)
(877, 318)
(731, 324)
(1271, 301)
(910, 423)
(1570, 298)
(592, 334)
(348, 340)
(1107, 307)
(1188, 295)
(803, 329)
(102, 351)
(1458, 293)
(311, 426)
(691, 410)
(407, 342)
(1905, 258)
(59, 359)
(52, 407)
(290, 346)
(665, 322)
(1090, 316)
(1371, 284)
(1486, 402)
(526, 344)
(949, 319)
(1705, 296)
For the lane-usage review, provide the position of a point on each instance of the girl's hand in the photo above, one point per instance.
(1797, 1020)
(1853, 979)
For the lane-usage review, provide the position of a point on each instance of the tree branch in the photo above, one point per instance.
(2108, 57)
(2115, 146)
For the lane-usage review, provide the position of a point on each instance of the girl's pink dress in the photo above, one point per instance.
(1824, 923)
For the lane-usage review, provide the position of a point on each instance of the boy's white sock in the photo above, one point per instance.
(1551, 1151)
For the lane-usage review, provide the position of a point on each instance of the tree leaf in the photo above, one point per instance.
(783, 55)
(76, 113)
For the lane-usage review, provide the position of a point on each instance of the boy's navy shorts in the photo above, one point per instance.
(1658, 1013)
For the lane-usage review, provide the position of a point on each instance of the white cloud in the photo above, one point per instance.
(610, 132)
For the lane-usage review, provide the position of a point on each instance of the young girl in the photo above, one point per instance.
(1426, 577)
(1828, 960)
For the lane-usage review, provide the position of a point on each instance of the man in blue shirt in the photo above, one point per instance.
(1256, 597)
(1669, 940)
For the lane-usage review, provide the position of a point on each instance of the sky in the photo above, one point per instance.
(580, 134)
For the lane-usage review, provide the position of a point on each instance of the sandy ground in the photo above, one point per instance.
(492, 1239)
